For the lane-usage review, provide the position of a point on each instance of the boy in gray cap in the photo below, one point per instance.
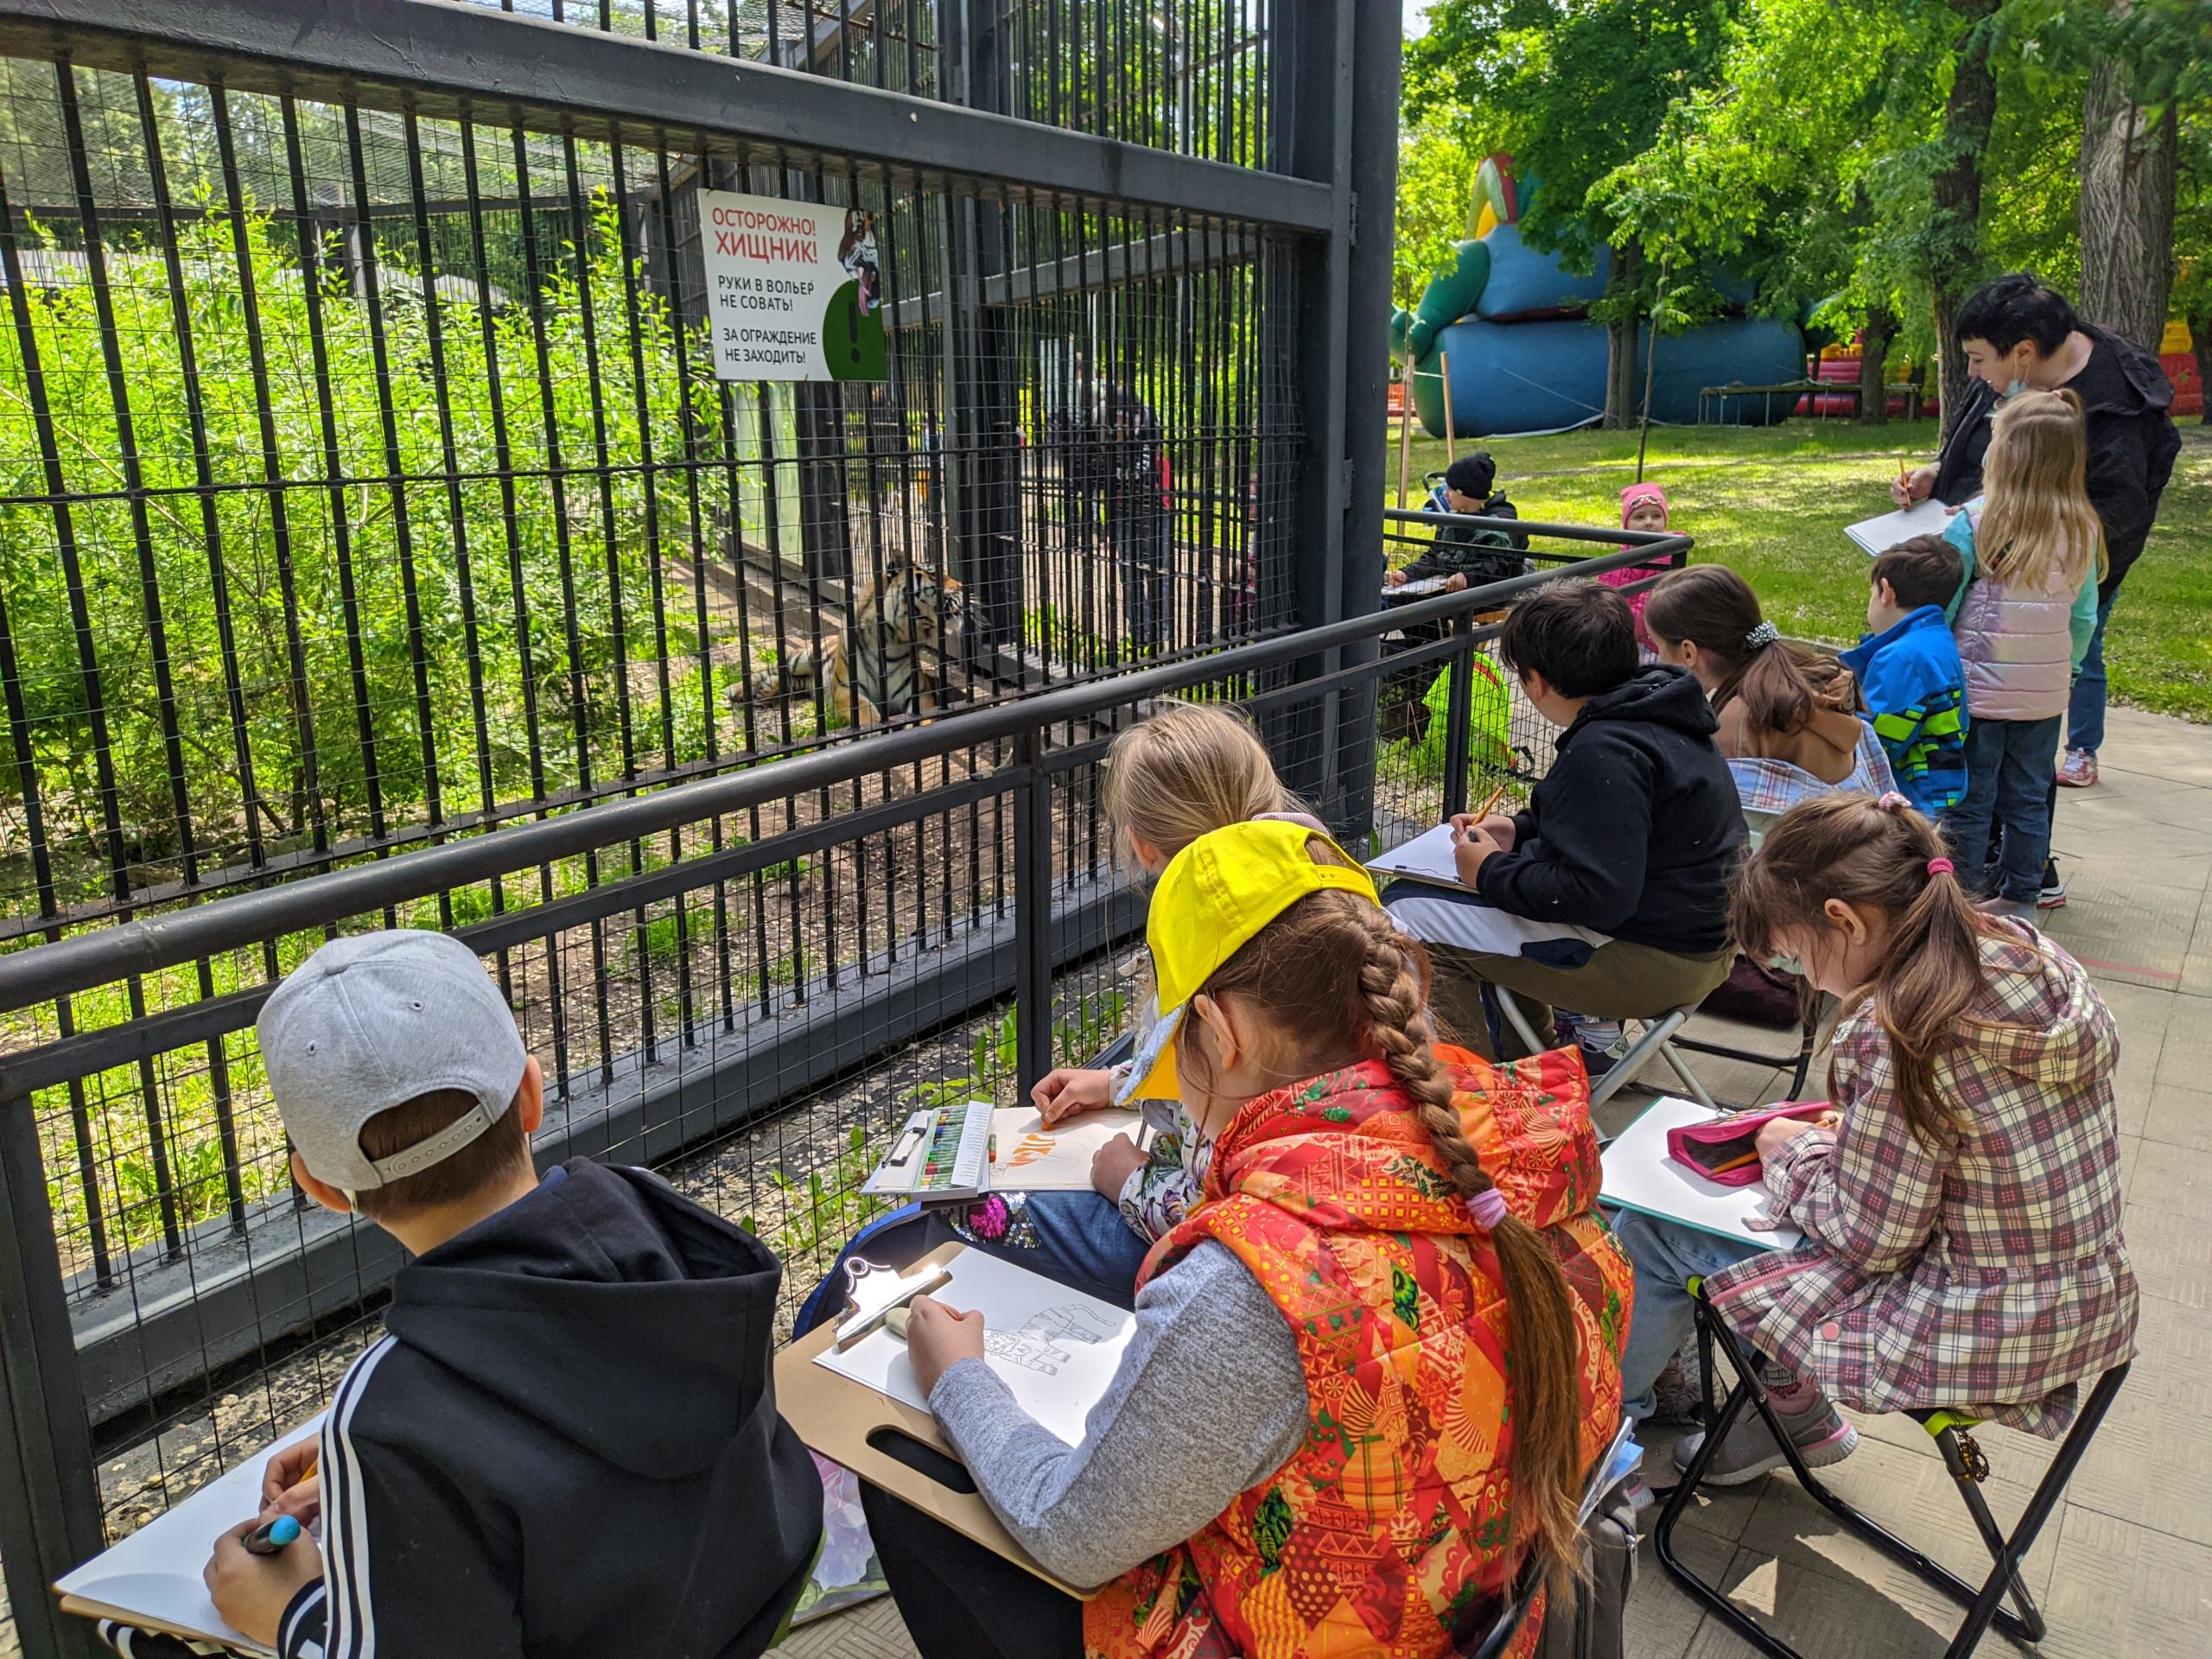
(568, 1443)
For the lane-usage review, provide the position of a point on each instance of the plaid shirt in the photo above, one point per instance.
(1776, 785)
(1990, 1277)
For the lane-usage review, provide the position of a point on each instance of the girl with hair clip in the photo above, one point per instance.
(1370, 1371)
(2034, 550)
(1962, 1213)
(1776, 702)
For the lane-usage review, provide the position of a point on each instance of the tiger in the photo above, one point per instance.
(890, 662)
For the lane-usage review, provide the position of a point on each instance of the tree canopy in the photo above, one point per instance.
(1870, 170)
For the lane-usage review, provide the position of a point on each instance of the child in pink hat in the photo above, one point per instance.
(1644, 506)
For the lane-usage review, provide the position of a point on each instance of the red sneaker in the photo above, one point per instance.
(2078, 770)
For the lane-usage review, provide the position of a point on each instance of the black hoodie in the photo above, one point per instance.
(1634, 831)
(2126, 406)
(567, 1446)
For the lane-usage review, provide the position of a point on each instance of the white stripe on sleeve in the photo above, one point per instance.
(351, 1632)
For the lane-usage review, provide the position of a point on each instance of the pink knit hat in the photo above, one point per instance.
(1637, 494)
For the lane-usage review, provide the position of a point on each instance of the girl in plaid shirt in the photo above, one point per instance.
(1962, 1213)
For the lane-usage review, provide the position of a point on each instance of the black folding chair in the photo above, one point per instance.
(1952, 1431)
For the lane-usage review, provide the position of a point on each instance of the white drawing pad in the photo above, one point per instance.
(152, 1578)
(1057, 1349)
(1639, 1175)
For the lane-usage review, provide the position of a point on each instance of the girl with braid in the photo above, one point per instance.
(1371, 1366)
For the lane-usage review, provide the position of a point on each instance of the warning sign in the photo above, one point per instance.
(794, 290)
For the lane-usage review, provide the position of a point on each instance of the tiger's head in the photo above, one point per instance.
(915, 602)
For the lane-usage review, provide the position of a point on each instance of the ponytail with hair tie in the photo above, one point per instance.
(1762, 636)
(1929, 971)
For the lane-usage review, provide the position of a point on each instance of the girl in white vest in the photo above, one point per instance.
(2034, 552)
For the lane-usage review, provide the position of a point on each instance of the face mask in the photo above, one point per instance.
(1789, 965)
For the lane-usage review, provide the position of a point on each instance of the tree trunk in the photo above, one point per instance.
(2128, 166)
(2200, 338)
(1954, 229)
(1874, 366)
(1622, 385)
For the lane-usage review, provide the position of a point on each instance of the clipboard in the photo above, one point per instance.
(839, 1417)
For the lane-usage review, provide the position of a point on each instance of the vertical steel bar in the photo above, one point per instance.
(557, 474)
(581, 244)
(1033, 912)
(433, 306)
(366, 266)
(648, 471)
(334, 472)
(19, 723)
(49, 1484)
(503, 463)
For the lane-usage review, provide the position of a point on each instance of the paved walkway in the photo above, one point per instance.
(2124, 1571)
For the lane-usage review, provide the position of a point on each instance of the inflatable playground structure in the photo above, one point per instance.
(1502, 337)
(1508, 330)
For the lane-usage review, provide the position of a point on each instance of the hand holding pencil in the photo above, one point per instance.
(291, 1483)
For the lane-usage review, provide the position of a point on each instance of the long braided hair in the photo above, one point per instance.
(1294, 975)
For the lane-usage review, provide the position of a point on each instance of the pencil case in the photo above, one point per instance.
(1725, 1150)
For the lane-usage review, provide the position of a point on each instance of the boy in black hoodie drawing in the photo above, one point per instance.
(1609, 894)
(568, 1444)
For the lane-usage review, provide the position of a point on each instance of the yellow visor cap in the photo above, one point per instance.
(1212, 900)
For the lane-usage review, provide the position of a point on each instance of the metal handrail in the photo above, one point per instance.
(148, 944)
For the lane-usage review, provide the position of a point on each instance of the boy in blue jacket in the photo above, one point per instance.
(1908, 672)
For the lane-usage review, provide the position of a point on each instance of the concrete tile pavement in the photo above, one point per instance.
(2124, 1569)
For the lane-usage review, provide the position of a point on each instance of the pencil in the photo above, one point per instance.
(1491, 805)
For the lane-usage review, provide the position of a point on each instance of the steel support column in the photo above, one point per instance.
(1311, 123)
(1377, 37)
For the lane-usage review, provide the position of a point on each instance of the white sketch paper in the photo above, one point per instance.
(1430, 855)
(1639, 1175)
(152, 1578)
(1032, 1158)
(1057, 1349)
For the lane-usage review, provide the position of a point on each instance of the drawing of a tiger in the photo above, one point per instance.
(891, 661)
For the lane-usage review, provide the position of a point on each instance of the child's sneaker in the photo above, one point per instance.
(2078, 770)
(1820, 1433)
(2052, 895)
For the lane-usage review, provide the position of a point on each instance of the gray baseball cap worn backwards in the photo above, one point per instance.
(369, 1023)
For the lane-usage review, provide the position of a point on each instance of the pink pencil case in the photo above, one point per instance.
(1725, 1150)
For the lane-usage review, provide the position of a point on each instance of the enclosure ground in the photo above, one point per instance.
(1772, 503)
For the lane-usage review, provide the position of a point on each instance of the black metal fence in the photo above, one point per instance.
(375, 537)
(947, 900)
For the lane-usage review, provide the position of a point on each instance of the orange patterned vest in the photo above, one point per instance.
(1388, 1533)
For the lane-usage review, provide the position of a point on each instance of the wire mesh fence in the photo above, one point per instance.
(370, 482)
(367, 488)
(756, 1004)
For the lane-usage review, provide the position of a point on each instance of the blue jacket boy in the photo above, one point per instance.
(1909, 675)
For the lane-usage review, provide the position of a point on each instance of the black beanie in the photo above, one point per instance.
(1472, 474)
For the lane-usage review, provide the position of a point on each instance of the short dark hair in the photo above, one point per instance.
(500, 1151)
(2017, 308)
(1578, 634)
(1472, 474)
(1925, 571)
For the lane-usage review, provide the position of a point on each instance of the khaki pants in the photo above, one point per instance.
(1620, 981)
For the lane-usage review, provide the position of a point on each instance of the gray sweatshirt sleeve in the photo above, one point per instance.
(1209, 1400)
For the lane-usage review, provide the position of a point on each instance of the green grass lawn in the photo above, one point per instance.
(1773, 503)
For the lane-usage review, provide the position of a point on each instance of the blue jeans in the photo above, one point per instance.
(1666, 1255)
(1077, 1239)
(2011, 766)
(2085, 710)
